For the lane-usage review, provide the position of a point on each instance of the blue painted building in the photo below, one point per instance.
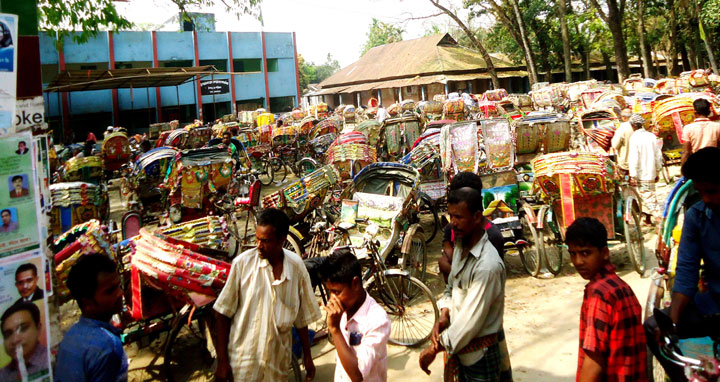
(264, 66)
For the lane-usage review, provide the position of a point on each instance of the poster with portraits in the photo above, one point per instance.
(24, 319)
(19, 230)
(8, 72)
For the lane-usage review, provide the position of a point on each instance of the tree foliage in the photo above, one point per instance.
(313, 74)
(87, 17)
(83, 19)
(381, 33)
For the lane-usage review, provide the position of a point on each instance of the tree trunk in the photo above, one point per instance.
(621, 58)
(658, 70)
(685, 58)
(704, 37)
(613, 18)
(644, 51)
(532, 69)
(474, 41)
(673, 68)
(609, 72)
(565, 35)
(586, 64)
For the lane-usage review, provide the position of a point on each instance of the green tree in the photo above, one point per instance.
(85, 18)
(381, 33)
(330, 67)
(307, 72)
(488, 197)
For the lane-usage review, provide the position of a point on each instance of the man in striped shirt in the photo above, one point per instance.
(267, 292)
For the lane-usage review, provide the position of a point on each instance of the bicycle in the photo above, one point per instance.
(409, 303)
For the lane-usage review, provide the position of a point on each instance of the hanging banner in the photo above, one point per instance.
(18, 207)
(214, 87)
(25, 354)
(8, 72)
(30, 114)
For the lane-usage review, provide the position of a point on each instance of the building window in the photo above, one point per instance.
(244, 65)
(220, 65)
(132, 64)
(176, 63)
(87, 66)
(282, 104)
(272, 64)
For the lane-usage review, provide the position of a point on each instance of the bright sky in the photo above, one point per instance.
(338, 27)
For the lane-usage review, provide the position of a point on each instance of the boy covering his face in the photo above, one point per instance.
(359, 325)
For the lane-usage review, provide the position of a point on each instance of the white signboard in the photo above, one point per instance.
(29, 112)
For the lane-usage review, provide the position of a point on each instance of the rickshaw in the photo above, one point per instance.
(688, 352)
(375, 225)
(670, 116)
(173, 138)
(326, 126)
(74, 203)
(425, 158)
(508, 110)
(371, 129)
(194, 178)
(169, 279)
(302, 201)
(432, 110)
(673, 86)
(454, 109)
(219, 129)
(397, 136)
(155, 129)
(142, 189)
(634, 84)
(522, 102)
(581, 184)
(599, 127)
(319, 110)
(198, 136)
(86, 169)
(350, 153)
(115, 153)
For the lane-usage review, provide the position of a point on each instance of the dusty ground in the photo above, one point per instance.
(541, 324)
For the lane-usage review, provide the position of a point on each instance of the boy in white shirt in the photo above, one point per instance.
(358, 324)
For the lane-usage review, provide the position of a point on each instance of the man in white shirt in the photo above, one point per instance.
(267, 292)
(644, 164)
(471, 318)
(621, 141)
(359, 325)
(381, 114)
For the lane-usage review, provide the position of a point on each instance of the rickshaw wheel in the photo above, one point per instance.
(175, 351)
(267, 176)
(292, 244)
(279, 168)
(552, 252)
(426, 206)
(412, 318)
(530, 254)
(634, 241)
(665, 171)
(414, 253)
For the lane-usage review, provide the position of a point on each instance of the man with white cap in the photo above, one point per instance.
(644, 164)
(621, 142)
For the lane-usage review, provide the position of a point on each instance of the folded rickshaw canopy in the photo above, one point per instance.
(82, 80)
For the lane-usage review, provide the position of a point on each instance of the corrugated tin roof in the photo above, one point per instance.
(406, 59)
(79, 80)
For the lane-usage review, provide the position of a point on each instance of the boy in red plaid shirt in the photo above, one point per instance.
(612, 340)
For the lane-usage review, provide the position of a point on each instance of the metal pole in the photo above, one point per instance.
(72, 133)
(177, 102)
(212, 79)
(196, 102)
(147, 91)
(132, 107)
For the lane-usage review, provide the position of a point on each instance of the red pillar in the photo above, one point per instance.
(267, 88)
(297, 70)
(65, 108)
(116, 105)
(156, 64)
(197, 79)
(232, 70)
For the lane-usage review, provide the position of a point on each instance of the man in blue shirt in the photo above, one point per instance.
(690, 311)
(91, 350)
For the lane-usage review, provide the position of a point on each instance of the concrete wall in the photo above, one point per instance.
(172, 46)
